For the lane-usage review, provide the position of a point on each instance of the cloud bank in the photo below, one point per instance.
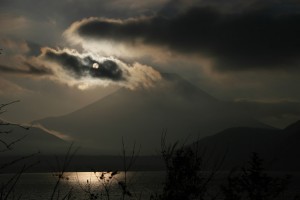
(27, 69)
(259, 38)
(68, 66)
(85, 65)
(86, 70)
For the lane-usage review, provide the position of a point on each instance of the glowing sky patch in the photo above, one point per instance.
(95, 66)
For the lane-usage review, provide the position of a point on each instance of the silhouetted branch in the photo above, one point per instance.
(186, 177)
(127, 166)
(10, 185)
(7, 104)
(4, 123)
(7, 188)
(65, 165)
(17, 160)
(8, 146)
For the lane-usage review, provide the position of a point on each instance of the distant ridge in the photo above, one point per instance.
(279, 147)
(294, 126)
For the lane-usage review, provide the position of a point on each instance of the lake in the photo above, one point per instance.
(38, 186)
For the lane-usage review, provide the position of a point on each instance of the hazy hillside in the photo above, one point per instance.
(30, 141)
(279, 148)
(141, 115)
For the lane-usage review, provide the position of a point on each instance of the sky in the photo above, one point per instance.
(58, 56)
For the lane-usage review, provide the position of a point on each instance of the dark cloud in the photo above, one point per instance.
(28, 69)
(71, 10)
(109, 69)
(258, 38)
(81, 66)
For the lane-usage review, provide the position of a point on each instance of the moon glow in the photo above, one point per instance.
(95, 66)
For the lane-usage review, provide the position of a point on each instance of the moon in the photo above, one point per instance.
(95, 66)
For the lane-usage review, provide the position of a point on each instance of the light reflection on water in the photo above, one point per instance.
(95, 178)
(36, 186)
(109, 183)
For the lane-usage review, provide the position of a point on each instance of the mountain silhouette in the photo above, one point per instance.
(294, 127)
(141, 115)
(280, 148)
